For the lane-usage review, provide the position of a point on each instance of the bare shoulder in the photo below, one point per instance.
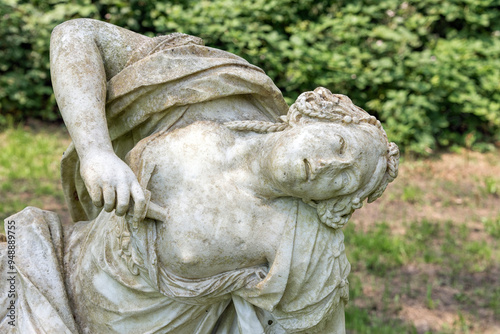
(203, 132)
(202, 139)
(95, 28)
(115, 44)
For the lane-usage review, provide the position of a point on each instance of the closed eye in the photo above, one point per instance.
(342, 145)
(307, 166)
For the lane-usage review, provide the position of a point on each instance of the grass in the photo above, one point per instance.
(426, 242)
(426, 254)
(425, 257)
(378, 251)
(29, 168)
(491, 186)
(446, 255)
(361, 321)
(412, 194)
(492, 226)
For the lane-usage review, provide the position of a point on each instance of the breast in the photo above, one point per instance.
(212, 232)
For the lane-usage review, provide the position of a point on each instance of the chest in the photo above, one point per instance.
(218, 229)
(216, 223)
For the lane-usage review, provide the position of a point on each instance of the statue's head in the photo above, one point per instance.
(330, 153)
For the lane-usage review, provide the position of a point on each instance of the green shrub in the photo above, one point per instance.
(428, 69)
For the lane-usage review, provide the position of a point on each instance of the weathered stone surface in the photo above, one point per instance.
(203, 203)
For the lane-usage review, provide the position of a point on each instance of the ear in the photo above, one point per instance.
(295, 118)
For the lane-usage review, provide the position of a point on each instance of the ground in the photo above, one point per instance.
(440, 271)
(425, 256)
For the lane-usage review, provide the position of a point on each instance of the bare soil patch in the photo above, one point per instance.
(461, 188)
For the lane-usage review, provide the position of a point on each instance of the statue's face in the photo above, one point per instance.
(320, 161)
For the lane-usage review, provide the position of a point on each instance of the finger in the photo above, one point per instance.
(140, 201)
(122, 200)
(109, 198)
(95, 194)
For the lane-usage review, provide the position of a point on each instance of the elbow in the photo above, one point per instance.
(69, 35)
(72, 27)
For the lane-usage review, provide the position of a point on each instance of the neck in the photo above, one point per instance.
(248, 156)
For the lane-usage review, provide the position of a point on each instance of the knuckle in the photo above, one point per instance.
(122, 204)
(121, 209)
(140, 201)
(97, 201)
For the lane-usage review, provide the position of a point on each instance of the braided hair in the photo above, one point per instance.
(321, 105)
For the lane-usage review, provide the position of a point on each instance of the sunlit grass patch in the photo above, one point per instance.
(491, 186)
(25, 155)
(492, 226)
(29, 168)
(378, 250)
(412, 194)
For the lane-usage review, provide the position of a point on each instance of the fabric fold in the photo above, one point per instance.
(42, 301)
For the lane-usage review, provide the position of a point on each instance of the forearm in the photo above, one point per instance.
(84, 54)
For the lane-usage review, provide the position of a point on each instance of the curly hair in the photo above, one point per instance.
(323, 106)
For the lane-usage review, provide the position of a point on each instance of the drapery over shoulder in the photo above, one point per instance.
(152, 94)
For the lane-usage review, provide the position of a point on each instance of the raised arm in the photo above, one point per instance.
(84, 54)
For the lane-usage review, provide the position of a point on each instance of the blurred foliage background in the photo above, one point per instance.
(429, 69)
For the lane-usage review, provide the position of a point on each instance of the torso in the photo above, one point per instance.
(216, 223)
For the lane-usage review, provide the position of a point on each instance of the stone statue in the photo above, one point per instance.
(203, 204)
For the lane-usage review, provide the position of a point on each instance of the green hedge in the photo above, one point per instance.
(429, 69)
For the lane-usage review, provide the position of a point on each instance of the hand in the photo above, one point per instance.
(108, 178)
